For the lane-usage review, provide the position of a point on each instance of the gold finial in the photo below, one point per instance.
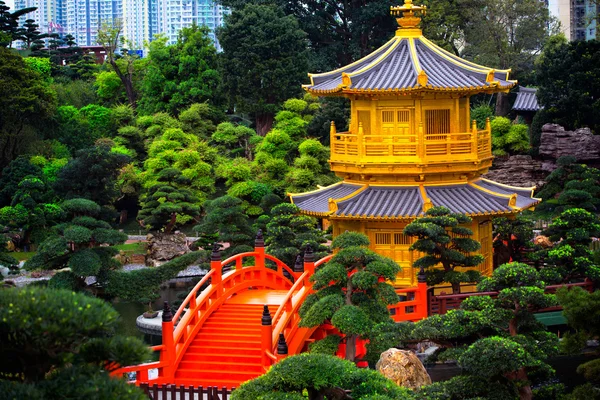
(406, 14)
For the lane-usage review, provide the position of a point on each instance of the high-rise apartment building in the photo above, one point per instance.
(578, 18)
(85, 17)
(142, 19)
(178, 14)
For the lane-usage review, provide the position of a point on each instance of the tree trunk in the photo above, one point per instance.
(127, 83)
(456, 288)
(351, 347)
(502, 106)
(171, 223)
(525, 392)
(264, 123)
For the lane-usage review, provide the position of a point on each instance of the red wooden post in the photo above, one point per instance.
(421, 295)
(266, 331)
(309, 260)
(215, 264)
(282, 348)
(168, 353)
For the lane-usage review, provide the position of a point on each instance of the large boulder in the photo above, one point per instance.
(404, 368)
(517, 170)
(581, 143)
(163, 247)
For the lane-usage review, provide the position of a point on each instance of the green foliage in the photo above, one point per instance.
(570, 100)
(92, 175)
(81, 246)
(495, 356)
(571, 185)
(41, 66)
(571, 256)
(433, 232)
(27, 103)
(516, 232)
(319, 375)
(46, 329)
(480, 113)
(289, 233)
(328, 345)
(350, 290)
(276, 47)
(508, 137)
(181, 74)
(143, 285)
(226, 219)
(582, 311)
(236, 140)
(467, 387)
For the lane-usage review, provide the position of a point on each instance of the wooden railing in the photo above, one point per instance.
(180, 392)
(411, 148)
(179, 330)
(412, 305)
(441, 304)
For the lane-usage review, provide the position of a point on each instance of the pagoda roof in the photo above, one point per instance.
(356, 201)
(410, 63)
(526, 100)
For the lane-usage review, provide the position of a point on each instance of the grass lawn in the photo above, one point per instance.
(22, 255)
(130, 248)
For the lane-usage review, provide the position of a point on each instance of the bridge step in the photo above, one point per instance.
(227, 349)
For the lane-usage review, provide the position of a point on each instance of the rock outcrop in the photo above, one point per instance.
(518, 170)
(581, 143)
(404, 368)
(162, 248)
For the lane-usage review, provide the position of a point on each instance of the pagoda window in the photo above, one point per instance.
(395, 122)
(437, 124)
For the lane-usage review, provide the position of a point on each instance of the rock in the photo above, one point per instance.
(581, 143)
(404, 368)
(518, 170)
(162, 247)
(543, 241)
(122, 258)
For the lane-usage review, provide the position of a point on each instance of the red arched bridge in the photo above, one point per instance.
(242, 317)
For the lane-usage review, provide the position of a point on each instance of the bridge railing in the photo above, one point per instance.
(214, 288)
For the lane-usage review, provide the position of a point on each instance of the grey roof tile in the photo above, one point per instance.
(318, 201)
(392, 67)
(524, 199)
(526, 100)
(383, 202)
(466, 199)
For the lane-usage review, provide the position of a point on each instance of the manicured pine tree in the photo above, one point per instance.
(168, 202)
(571, 257)
(290, 233)
(351, 290)
(443, 238)
(83, 245)
(60, 344)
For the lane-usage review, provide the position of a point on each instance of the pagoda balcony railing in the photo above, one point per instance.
(419, 149)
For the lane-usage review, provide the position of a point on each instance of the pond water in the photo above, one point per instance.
(173, 292)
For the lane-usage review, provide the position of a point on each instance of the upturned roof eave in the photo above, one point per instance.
(417, 89)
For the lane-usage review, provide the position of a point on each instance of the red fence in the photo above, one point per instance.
(174, 392)
(441, 304)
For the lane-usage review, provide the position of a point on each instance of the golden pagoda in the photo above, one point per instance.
(411, 145)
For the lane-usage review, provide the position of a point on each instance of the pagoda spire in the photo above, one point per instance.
(408, 15)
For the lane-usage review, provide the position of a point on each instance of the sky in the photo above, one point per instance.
(10, 3)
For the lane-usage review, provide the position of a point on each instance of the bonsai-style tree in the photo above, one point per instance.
(351, 290)
(320, 376)
(83, 245)
(168, 202)
(30, 208)
(571, 185)
(61, 345)
(571, 256)
(497, 341)
(311, 168)
(516, 232)
(225, 219)
(446, 243)
(582, 311)
(289, 233)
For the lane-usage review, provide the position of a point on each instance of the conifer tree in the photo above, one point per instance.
(446, 242)
(351, 290)
(83, 245)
